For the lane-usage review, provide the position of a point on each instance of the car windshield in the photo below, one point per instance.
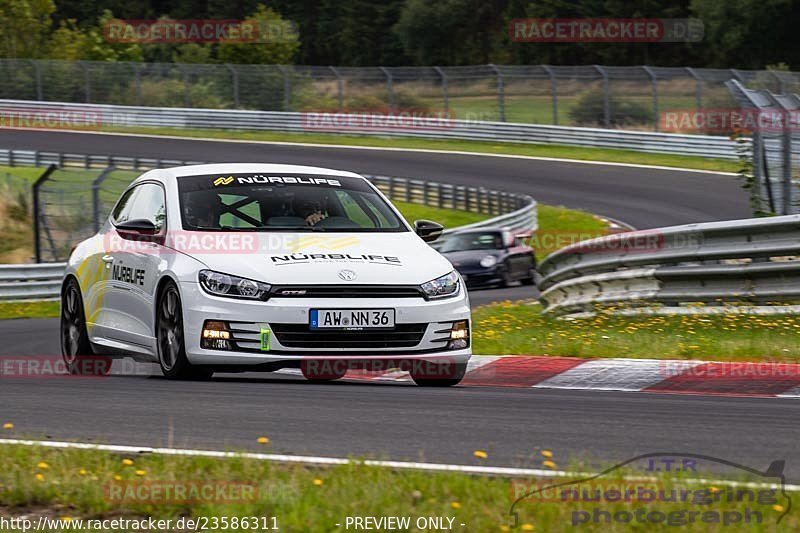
(472, 241)
(261, 202)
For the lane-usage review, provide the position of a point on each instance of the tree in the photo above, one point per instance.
(25, 26)
(278, 41)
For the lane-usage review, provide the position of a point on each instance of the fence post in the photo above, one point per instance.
(654, 79)
(389, 87)
(37, 73)
(137, 80)
(445, 99)
(187, 100)
(287, 88)
(553, 91)
(96, 184)
(501, 92)
(698, 88)
(235, 83)
(339, 92)
(86, 85)
(606, 97)
(37, 246)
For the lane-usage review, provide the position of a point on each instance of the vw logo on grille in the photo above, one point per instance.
(347, 275)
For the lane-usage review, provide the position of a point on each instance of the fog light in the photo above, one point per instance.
(215, 336)
(459, 336)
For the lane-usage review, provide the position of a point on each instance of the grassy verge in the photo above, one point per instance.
(525, 149)
(449, 218)
(520, 328)
(84, 485)
(44, 309)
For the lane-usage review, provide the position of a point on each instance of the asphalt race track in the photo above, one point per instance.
(395, 420)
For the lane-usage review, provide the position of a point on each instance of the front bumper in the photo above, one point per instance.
(477, 277)
(248, 318)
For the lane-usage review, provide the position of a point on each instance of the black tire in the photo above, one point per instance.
(451, 374)
(170, 338)
(76, 350)
(531, 279)
(505, 276)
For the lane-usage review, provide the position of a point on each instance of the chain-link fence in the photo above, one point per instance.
(630, 97)
(773, 121)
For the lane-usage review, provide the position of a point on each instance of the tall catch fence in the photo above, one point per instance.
(590, 95)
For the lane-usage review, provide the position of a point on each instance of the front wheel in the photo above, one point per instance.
(170, 338)
(76, 350)
(442, 375)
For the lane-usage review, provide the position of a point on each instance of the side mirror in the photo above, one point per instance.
(139, 229)
(427, 230)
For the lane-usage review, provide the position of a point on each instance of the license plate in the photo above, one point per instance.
(351, 318)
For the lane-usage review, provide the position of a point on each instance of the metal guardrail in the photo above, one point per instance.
(96, 115)
(751, 261)
(36, 281)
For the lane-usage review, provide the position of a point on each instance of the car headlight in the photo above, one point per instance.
(220, 284)
(489, 261)
(441, 287)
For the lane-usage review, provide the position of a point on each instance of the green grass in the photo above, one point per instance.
(33, 309)
(78, 484)
(449, 218)
(536, 150)
(521, 328)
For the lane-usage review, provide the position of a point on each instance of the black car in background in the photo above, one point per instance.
(489, 257)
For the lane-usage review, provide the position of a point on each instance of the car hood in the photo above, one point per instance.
(469, 258)
(320, 258)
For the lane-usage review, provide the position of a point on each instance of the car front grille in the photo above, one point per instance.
(346, 291)
(301, 336)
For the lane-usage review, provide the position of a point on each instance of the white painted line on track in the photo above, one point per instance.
(335, 461)
(390, 149)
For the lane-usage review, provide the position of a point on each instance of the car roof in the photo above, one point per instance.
(243, 168)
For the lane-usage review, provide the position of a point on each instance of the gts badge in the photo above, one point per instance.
(134, 276)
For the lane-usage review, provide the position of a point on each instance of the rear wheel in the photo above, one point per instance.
(170, 338)
(76, 350)
(506, 279)
(531, 279)
(446, 375)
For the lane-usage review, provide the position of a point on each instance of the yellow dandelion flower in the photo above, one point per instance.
(8, 425)
(526, 527)
(82, 472)
(318, 482)
(127, 462)
(39, 477)
(262, 440)
(547, 453)
(713, 489)
(480, 454)
(455, 505)
(548, 464)
(778, 508)
(43, 466)
(505, 528)
(66, 519)
(117, 478)
(141, 473)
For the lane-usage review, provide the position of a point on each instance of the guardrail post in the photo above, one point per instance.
(389, 87)
(501, 93)
(234, 83)
(445, 98)
(339, 92)
(37, 246)
(606, 97)
(553, 91)
(654, 79)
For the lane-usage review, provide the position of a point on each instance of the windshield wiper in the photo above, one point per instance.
(295, 228)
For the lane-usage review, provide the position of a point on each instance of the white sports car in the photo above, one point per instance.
(257, 267)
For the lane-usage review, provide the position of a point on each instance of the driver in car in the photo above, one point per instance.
(310, 207)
